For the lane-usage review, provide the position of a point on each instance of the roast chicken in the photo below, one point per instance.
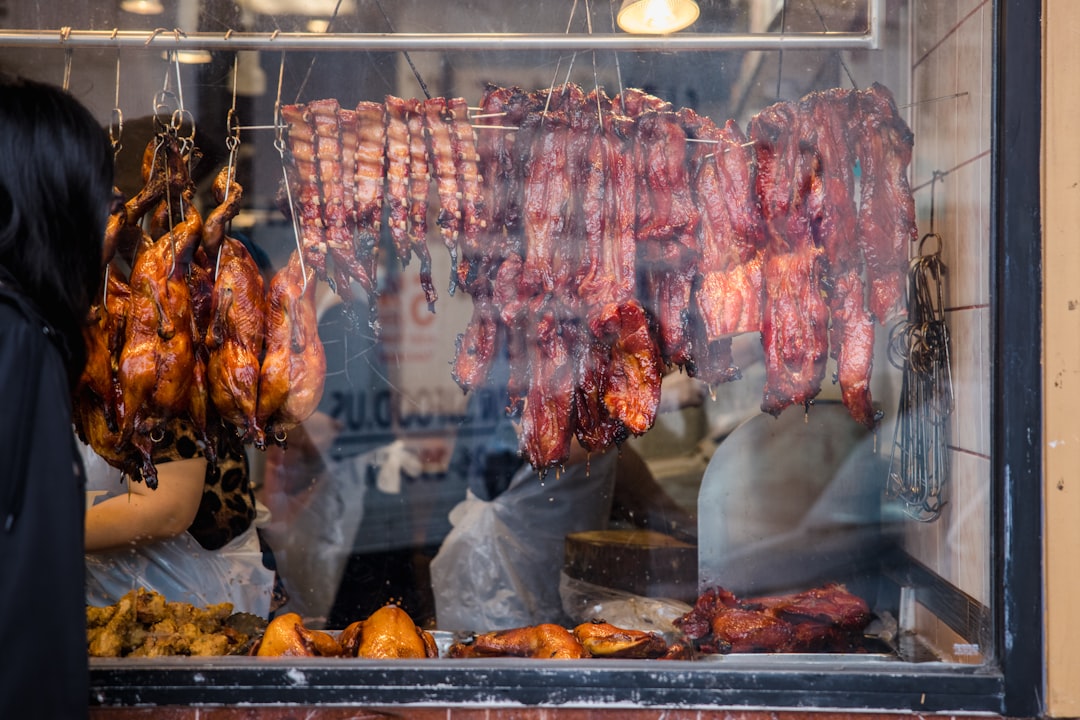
(387, 634)
(546, 641)
(602, 639)
(287, 636)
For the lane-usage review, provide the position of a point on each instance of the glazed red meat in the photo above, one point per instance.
(823, 619)
(795, 320)
(886, 223)
(826, 125)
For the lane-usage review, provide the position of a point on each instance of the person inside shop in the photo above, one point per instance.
(500, 565)
(316, 488)
(191, 539)
(355, 515)
(56, 180)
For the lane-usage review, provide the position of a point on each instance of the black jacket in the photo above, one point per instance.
(42, 515)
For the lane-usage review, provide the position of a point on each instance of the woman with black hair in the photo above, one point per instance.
(56, 182)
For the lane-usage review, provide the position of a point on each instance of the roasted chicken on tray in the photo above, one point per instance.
(387, 634)
(287, 636)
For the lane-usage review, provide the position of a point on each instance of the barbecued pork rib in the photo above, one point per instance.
(304, 185)
(886, 225)
(795, 319)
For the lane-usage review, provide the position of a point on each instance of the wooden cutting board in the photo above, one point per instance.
(642, 562)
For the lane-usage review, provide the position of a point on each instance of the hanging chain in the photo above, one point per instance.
(919, 465)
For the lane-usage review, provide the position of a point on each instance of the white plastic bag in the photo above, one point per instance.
(183, 571)
(499, 566)
(312, 546)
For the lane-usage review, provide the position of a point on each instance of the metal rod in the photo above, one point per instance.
(443, 42)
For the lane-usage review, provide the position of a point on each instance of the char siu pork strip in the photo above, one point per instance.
(608, 205)
(448, 189)
(729, 298)
(621, 345)
(397, 177)
(595, 427)
(826, 120)
(496, 151)
(886, 224)
(306, 194)
(547, 202)
(666, 210)
(632, 391)
(475, 348)
(632, 102)
(547, 425)
(794, 331)
(667, 223)
(419, 182)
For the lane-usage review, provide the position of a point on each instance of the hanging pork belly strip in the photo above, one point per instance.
(397, 177)
(338, 233)
(448, 189)
(471, 201)
(370, 188)
(306, 194)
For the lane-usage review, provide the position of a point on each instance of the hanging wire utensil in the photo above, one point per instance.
(919, 466)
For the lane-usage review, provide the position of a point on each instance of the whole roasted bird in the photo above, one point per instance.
(159, 372)
(293, 369)
(387, 634)
(234, 340)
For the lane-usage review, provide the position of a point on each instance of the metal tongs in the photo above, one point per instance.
(919, 466)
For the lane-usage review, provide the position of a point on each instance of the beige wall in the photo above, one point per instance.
(1061, 351)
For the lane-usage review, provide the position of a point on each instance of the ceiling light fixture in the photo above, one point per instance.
(142, 7)
(657, 17)
(188, 57)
